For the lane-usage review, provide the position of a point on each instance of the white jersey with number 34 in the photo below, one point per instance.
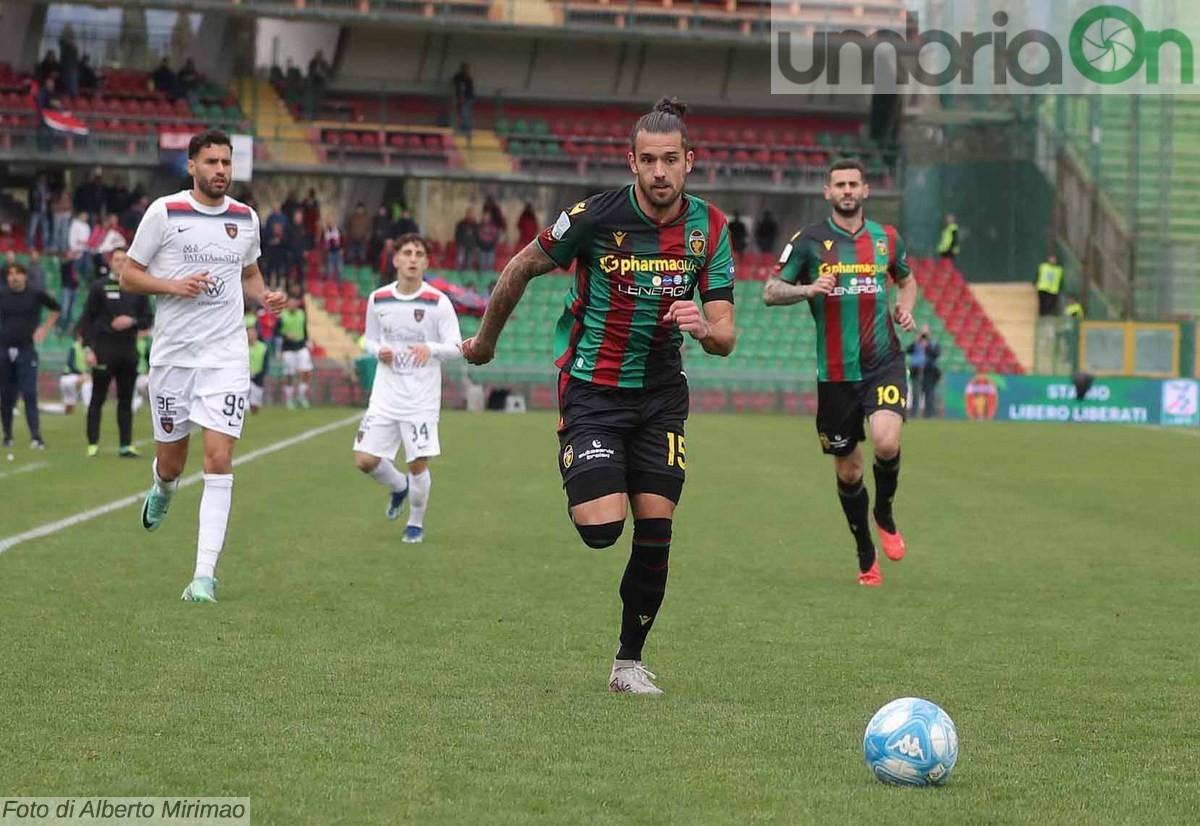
(403, 391)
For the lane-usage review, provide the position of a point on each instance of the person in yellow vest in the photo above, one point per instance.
(258, 367)
(297, 359)
(948, 246)
(1049, 282)
(76, 379)
(1074, 309)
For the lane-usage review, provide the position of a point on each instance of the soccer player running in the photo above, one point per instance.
(112, 320)
(412, 329)
(841, 266)
(198, 251)
(641, 254)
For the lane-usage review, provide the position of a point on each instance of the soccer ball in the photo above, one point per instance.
(911, 742)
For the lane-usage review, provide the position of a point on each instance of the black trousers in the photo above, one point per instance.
(121, 366)
(1047, 304)
(18, 374)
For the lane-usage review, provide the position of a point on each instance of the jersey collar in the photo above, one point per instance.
(838, 229)
(205, 208)
(638, 209)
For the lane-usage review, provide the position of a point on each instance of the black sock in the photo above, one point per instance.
(855, 502)
(887, 478)
(644, 584)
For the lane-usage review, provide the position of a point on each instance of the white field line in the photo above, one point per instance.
(30, 468)
(49, 528)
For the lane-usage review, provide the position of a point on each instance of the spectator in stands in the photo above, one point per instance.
(187, 83)
(276, 258)
(487, 236)
(111, 238)
(132, 217)
(358, 233)
(68, 62)
(464, 99)
(466, 241)
(47, 69)
(331, 242)
(922, 364)
(298, 241)
(737, 234)
(89, 197)
(527, 226)
(1049, 284)
(77, 244)
(387, 264)
(948, 245)
(60, 221)
(291, 203)
(87, 75)
(164, 79)
(278, 218)
(405, 224)
(381, 229)
(312, 215)
(766, 230)
(35, 271)
(319, 71)
(39, 214)
(116, 197)
(70, 271)
(490, 207)
(47, 99)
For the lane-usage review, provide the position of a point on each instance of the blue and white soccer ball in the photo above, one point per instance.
(911, 742)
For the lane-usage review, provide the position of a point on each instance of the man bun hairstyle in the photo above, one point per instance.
(666, 117)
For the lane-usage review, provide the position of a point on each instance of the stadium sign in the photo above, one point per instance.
(994, 48)
(986, 397)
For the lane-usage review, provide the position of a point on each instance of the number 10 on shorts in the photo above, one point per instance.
(887, 394)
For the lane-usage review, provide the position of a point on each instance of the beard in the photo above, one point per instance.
(209, 189)
(659, 199)
(850, 211)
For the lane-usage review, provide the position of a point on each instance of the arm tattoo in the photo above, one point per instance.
(777, 293)
(525, 266)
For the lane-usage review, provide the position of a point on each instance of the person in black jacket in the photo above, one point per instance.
(112, 321)
(20, 314)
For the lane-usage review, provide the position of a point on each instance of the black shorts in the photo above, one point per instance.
(843, 405)
(635, 435)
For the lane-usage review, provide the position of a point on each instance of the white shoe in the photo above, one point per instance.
(631, 677)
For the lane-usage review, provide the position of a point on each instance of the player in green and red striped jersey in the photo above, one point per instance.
(641, 253)
(841, 267)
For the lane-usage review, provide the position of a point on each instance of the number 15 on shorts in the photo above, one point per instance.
(675, 451)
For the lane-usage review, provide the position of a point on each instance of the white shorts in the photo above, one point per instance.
(297, 361)
(381, 436)
(185, 398)
(69, 385)
(256, 395)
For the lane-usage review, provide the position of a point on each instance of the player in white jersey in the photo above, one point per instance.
(198, 252)
(412, 329)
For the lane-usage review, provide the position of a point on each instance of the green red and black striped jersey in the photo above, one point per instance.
(628, 271)
(855, 332)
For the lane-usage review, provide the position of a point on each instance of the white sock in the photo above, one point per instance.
(137, 401)
(86, 390)
(419, 485)
(386, 474)
(303, 391)
(164, 488)
(214, 519)
(288, 393)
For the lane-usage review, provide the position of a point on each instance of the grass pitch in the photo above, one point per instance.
(1048, 603)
